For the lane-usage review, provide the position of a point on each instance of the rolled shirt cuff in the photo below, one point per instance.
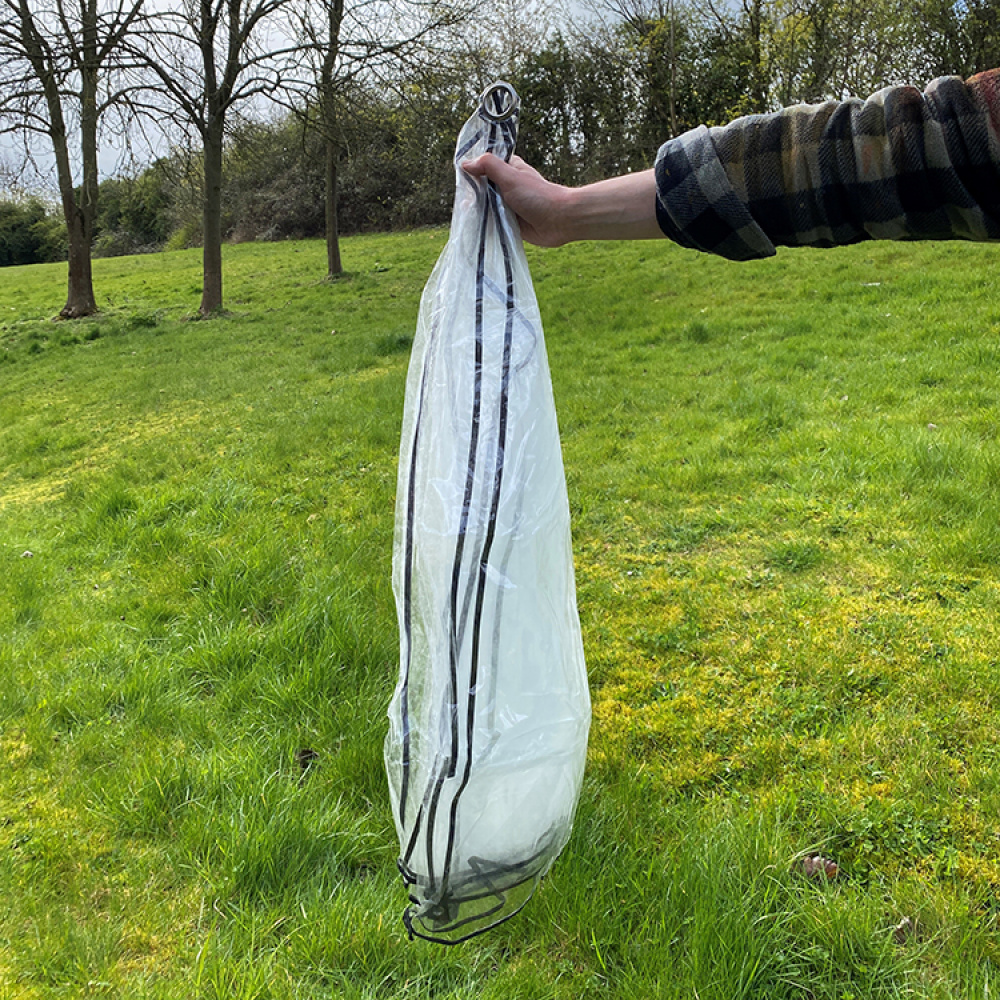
(696, 205)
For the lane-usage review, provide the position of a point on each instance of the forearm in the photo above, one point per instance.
(620, 208)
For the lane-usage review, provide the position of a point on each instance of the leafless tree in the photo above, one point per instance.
(61, 65)
(207, 58)
(352, 44)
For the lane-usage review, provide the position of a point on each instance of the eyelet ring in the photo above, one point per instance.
(499, 102)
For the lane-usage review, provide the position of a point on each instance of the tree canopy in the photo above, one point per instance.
(599, 96)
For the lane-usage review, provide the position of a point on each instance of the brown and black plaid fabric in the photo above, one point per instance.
(903, 165)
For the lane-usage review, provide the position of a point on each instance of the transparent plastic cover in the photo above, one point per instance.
(489, 719)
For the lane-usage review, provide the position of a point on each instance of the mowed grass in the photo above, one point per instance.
(785, 485)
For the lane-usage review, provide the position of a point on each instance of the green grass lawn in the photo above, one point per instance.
(785, 485)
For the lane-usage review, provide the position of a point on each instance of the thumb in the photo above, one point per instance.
(487, 165)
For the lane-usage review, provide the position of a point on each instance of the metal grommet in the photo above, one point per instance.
(499, 102)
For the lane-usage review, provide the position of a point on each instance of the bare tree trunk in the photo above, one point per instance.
(78, 213)
(211, 291)
(378, 40)
(63, 53)
(333, 262)
(327, 87)
(208, 58)
(80, 299)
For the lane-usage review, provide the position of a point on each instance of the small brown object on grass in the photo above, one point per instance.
(815, 866)
(904, 930)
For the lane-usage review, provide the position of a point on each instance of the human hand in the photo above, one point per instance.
(537, 202)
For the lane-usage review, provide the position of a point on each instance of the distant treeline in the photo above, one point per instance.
(30, 233)
(594, 104)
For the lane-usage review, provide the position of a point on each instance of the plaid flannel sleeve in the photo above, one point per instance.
(903, 165)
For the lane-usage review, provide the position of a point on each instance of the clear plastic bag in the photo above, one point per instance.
(489, 720)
